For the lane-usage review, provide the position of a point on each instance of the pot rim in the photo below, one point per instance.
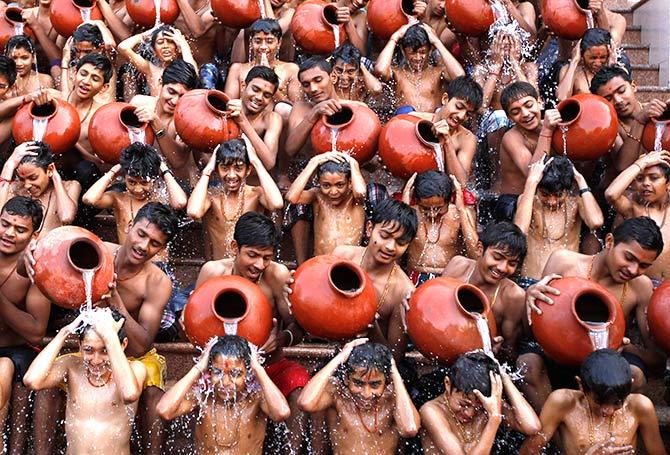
(126, 109)
(418, 134)
(217, 94)
(566, 102)
(54, 103)
(329, 6)
(13, 8)
(475, 290)
(230, 320)
(581, 10)
(93, 5)
(357, 270)
(341, 125)
(91, 243)
(604, 298)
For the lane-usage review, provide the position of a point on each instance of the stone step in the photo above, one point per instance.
(648, 92)
(627, 13)
(633, 34)
(645, 74)
(638, 53)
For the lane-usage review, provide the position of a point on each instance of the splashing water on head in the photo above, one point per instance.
(483, 329)
(599, 335)
(230, 328)
(564, 136)
(85, 14)
(157, 7)
(589, 19)
(336, 34)
(658, 145)
(88, 276)
(333, 139)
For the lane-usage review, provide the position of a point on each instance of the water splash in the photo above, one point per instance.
(85, 14)
(18, 28)
(333, 139)
(264, 59)
(599, 335)
(564, 136)
(439, 156)
(157, 7)
(230, 328)
(658, 145)
(589, 19)
(336, 33)
(136, 135)
(88, 276)
(483, 329)
(261, 4)
(39, 128)
(499, 11)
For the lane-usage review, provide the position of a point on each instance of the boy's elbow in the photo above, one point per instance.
(180, 204)
(193, 213)
(282, 414)
(30, 382)
(409, 431)
(132, 395)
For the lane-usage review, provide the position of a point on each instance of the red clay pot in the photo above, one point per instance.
(231, 300)
(565, 18)
(470, 17)
(237, 13)
(387, 16)
(563, 329)
(442, 316)
(657, 315)
(201, 119)
(333, 298)
(649, 133)
(591, 127)
(60, 258)
(11, 23)
(312, 27)
(357, 127)
(404, 145)
(63, 124)
(66, 15)
(114, 127)
(143, 12)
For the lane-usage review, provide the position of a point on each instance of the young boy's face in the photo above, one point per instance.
(595, 58)
(316, 84)
(264, 43)
(627, 260)
(464, 406)
(606, 410)
(15, 232)
(257, 95)
(165, 48)
(652, 185)
(552, 201)
(456, 111)
(144, 241)
(621, 94)
(432, 207)
(228, 377)
(345, 74)
(233, 175)
(89, 81)
(94, 354)
(334, 186)
(138, 187)
(251, 261)
(366, 386)
(386, 245)
(170, 94)
(497, 263)
(525, 112)
(33, 178)
(417, 59)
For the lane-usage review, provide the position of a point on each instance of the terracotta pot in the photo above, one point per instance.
(62, 125)
(62, 256)
(442, 318)
(387, 16)
(67, 15)
(588, 128)
(357, 132)
(650, 131)
(583, 318)
(470, 17)
(333, 298)
(114, 127)
(657, 315)
(405, 145)
(12, 24)
(143, 12)
(228, 305)
(237, 13)
(313, 27)
(565, 18)
(201, 119)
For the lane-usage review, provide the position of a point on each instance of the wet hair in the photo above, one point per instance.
(415, 38)
(315, 62)
(642, 230)
(161, 215)
(99, 62)
(263, 72)
(392, 211)
(515, 91)
(90, 33)
(470, 372)
(256, 230)
(467, 89)
(159, 30)
(348, 54)
(140, 160)
(8, 69)
(606, 375)
(269, 26)
(19, 42)
(506, 236)
(82, 329)
(231, 346)
(432, 183)
(334, 167)
(25, 207)
(232, 151)
(181, 72)
(558, 175)
(595, 37)
(606, 74)
(43, 158)
(369, 357)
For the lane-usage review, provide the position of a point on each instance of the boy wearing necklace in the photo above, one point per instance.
(21, 49)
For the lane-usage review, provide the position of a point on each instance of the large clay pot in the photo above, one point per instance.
(201, 119)
(67, 15)
(228, 305)
(660, 124)
(470, 17)
(442, 318)
(333, 298)
(62, 256)
(355, 129)
(583, 318)
(114, 127)
(62, 125)
(12, 24)
(406, 145)
(657, 315)
(237, 14)
(566, 18)
(143, 12)
(313, 26)
(588, 128)
(387, 16)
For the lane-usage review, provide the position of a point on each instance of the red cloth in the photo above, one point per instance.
(287, 375)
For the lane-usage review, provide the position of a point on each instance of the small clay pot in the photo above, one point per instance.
(313, 27)
(237, 14)
(12, 24)
(62, 125)
(470, 17)
(657, 316)
(67, 15)
(143, 12)
(385, 17)
(202, 120)
(405, 145)
(649, 133)
(566, 18)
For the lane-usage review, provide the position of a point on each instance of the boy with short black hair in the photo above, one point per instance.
(352, 79)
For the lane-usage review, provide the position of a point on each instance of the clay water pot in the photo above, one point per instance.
(470, 17)
(649, 133)
(237, 14)
(114, 127)
(657, 315)
(12, 24)
(442, 318)
(333, 298)
(62, 256)
(201, 119)
(385, 17)
(405, 145)
(357, 128)
(566, 18)
(62, 125)
(583, 318)
(313, 27)
(228, 305)
(143, 12)
(589, 125)
(67, 15)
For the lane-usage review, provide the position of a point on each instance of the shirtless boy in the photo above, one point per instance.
(368, 408)
(589, 54)
(352, 79)
(234, 421)
(603, 416)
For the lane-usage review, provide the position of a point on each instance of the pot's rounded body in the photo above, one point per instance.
(657, 316)
(12, 24)
(202, 120)
(385, 17)
(67, 15)
(143, 12)
(237, 14)
(564, 18)
(114, 127)
(588, 129)
(228, 305)
(442, 318)
(470, 17)
(402, 150)
(573, 327)
(333, 298)
(660, 126)
(62, 256)
(62, 125)
(355, 130)
(313, 27)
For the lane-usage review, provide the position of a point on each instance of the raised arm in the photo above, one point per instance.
(97, 195)
(66, 198)
(589, 210)
(271, 197)
(385, 59)
(372, 84)
(127, 49)
(273, 402)
(186, 54)
(524, 208)
(176, 154)
(302, 120)
(200, 202)
(458, 164)
(493, 407)
(259, 146)
(405, 415)
(557, 405)
(452, 68)
(356, 38)
(522, 416)
(119, 30)
(7, 174)
(178, 198)
(524, 14)
(358, 186)
(297, 194)
(566, 78)
(468, 219)
(48, 46)
(195, 24)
